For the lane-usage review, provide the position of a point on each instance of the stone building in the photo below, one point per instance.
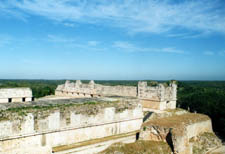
(105, 124)
(79, 89)
(73, 126)
(8, 95)
(158, 97)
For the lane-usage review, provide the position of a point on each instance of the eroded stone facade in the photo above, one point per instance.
(79, 89)
(158, 97)
(90, 125)
(24, 131)
(8, 95)
(183, 131)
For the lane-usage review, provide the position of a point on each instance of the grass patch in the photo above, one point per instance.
(139, 147)
(88, 108)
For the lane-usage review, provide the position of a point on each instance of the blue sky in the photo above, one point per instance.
(112, 39)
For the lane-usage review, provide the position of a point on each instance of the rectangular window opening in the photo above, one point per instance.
(9, 100)
(23, 99)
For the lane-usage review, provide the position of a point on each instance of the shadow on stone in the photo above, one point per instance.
(137, 136)
(147, 116)
(169, 141)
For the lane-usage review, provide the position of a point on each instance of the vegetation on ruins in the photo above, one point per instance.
(86, 107)
(204, 141)
(207, 97)
(139, 147)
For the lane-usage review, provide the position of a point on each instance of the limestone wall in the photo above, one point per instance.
(157, 93)
(15, 95)
(181, 141)
(79, 89)
(45, 129)
(177, 130)
(116, 90)
(159, 97)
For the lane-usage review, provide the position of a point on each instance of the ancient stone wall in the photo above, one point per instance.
(46, 128)
(159, 97)
(15, 95)
(79, 89)
(180, 130)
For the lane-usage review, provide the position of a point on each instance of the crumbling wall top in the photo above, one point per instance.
(160, 91)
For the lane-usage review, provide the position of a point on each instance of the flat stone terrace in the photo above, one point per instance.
(61, 101)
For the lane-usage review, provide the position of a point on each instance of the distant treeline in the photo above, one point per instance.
(207, 97)
(39, 88)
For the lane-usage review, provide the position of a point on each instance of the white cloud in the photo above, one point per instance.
(189, 34)
(60, 39)
(6, 12)
(136, 16)
(93, 43)
(74, 43)
(171, 50)
(128, 47)
(68, 24)
(69, 40)
(209, 53)
(119, 45)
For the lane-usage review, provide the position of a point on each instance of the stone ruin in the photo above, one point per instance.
(8, 95)
(159, 97)
(75, 126)
(93, 118)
